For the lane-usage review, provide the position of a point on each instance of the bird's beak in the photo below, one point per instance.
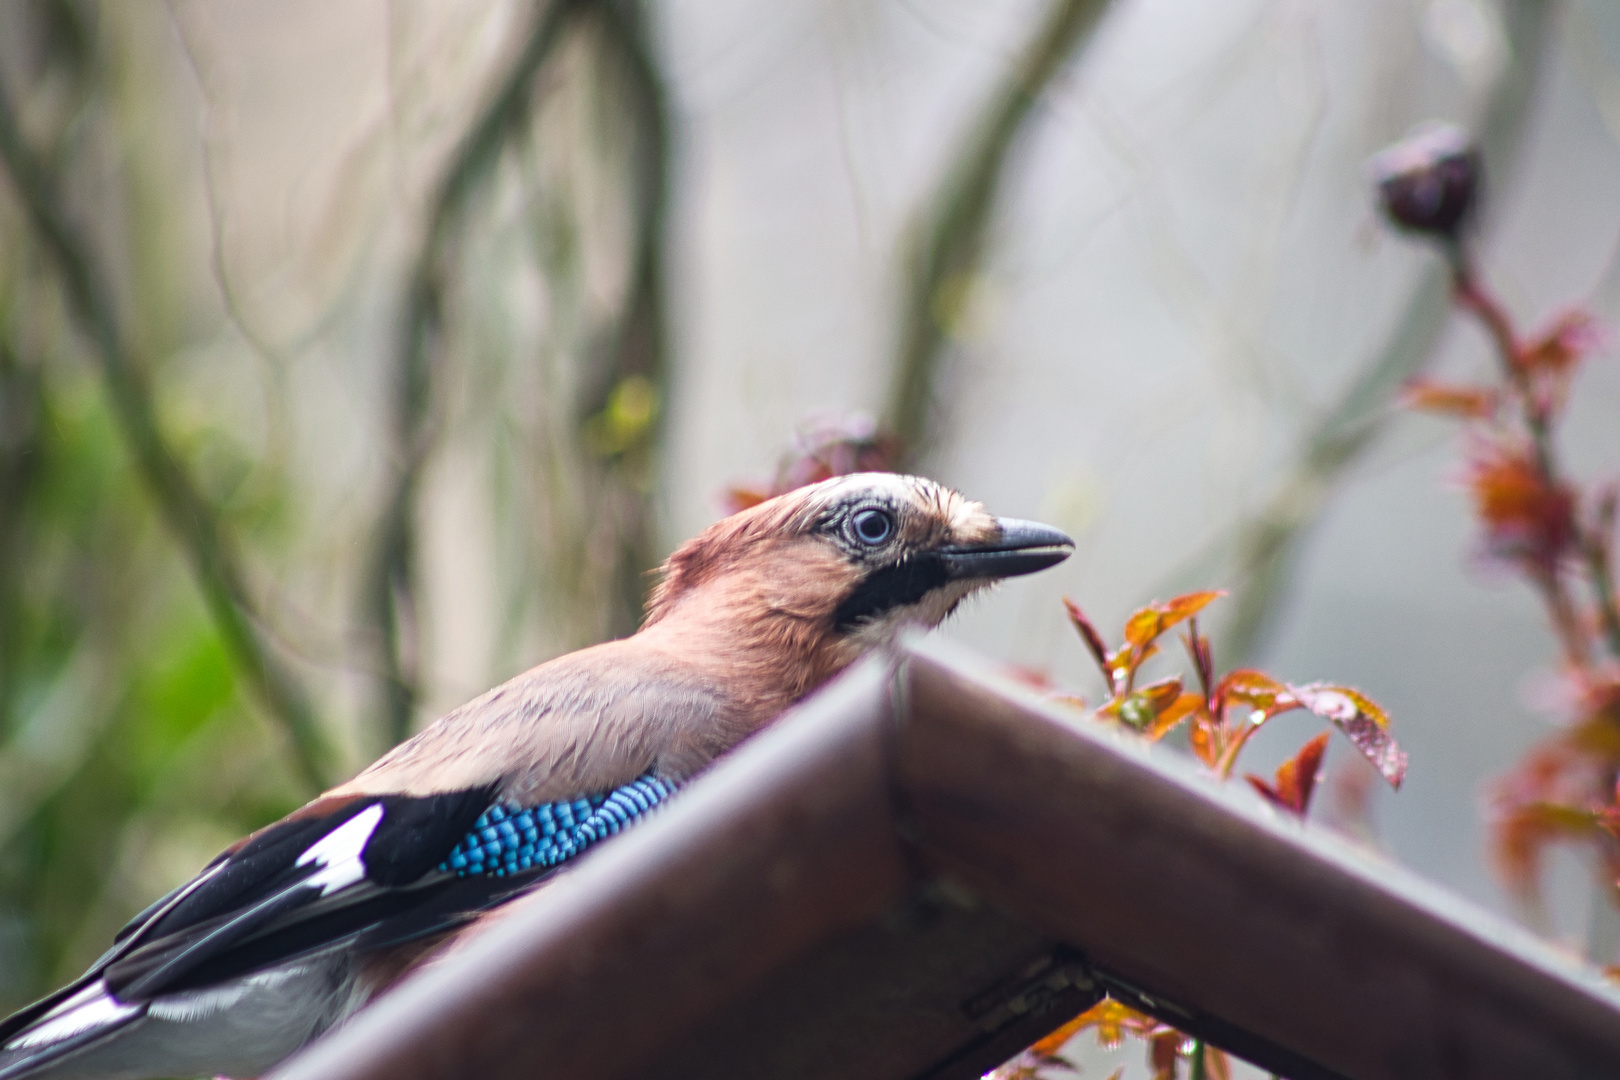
(1023, 548)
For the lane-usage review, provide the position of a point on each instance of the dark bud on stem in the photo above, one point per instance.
(1428, 181)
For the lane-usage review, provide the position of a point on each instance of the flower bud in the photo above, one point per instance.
(1428, 181)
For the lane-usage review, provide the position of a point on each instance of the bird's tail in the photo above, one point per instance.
(43, 1039)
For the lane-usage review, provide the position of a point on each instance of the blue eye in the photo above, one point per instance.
(873, 527)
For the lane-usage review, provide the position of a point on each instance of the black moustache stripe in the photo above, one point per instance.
(891, 587)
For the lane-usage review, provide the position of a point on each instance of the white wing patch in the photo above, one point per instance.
(338, 852)
(90, 1008)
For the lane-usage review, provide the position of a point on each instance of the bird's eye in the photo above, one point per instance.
(873, 527)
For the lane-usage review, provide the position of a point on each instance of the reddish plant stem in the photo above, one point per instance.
(1562, 612)
(1473, 295)
(1597, 544)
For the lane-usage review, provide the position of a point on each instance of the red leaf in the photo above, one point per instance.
(1525, 516)
(1461, 402)
(1146, 624)
(1296, 778)
(1172, 714)
(1162, 1053)
(1112, 1020)
(1525, 831)
(1573, 334)
(1255, 689)
(1263, 787)
(1203, 658)
(1203, 744)
(1161, 693)
(1360, 718)
(1094, 641)
(1141, 708)
(1301, 771)
(1559, 773)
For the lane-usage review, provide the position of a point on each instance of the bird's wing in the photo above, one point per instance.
(457, 820)
(359, 871)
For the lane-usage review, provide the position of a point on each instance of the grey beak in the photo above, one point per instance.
(1024, 547)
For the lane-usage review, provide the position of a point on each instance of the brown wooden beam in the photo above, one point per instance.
(927, 867)
(1274, 938)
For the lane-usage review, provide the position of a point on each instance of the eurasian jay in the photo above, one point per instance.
(293, 928)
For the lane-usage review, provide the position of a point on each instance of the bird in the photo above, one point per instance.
(292, 929)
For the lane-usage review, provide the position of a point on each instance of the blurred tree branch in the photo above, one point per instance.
(389, 586)
(1261, 548)
(944, 264)
(195, 523)
(634, 349)
(21, 409)
(636, 346)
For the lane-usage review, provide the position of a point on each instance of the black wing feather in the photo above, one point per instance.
(415, 834)
(244, 911)
(156, 968)
(390, 917)
(266, 864)
(321, 880)
(259, 908)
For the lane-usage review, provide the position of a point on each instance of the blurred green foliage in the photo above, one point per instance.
(127, 754)
(124, 744)
(141, 724)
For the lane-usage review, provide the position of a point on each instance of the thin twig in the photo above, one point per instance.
(22, 414)
(193, 521)
(390, 587)
(1597, 548)
(941, 271)
(1471, 293)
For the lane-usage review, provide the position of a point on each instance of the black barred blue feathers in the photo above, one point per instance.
(509, 840)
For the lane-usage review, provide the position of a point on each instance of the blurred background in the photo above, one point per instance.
(354, 357)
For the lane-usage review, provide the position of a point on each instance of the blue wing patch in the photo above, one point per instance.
(509, 839)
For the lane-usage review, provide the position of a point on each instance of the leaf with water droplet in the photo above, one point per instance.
(1363, 720)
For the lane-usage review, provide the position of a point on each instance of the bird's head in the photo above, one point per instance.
(842, 565)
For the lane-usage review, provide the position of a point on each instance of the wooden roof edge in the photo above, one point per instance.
(1185, 897)
(1346, 855)
(1226, 911)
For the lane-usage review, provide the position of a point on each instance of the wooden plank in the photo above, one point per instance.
(873, 892)
(1222, 912)
(934, 989)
